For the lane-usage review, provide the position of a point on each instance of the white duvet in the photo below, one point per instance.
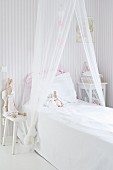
(90, 118)
(78, 136)
(93, 119)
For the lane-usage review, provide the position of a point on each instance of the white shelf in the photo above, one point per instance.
(87, 92)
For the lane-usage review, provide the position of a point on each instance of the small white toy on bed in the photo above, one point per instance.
(53, 99)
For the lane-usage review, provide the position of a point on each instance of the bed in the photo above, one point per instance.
(78, 136)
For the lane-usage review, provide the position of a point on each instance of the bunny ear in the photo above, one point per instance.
(9, 81)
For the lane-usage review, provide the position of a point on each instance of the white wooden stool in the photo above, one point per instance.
(15, 121)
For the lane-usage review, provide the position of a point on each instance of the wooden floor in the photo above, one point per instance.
(23, 160)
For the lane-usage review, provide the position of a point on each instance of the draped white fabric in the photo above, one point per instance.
(53, 24)
(81, 16)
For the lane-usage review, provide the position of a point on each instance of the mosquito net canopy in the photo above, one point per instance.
(54, 20)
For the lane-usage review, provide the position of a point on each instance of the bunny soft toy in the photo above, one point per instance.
(9, 104)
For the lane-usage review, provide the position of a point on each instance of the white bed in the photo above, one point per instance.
(78, 136)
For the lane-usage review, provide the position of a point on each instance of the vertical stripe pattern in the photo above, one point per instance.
(17, 28)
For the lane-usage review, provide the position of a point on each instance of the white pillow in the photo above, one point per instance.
(64, 87)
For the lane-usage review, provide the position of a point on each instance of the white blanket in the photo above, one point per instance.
(86, 117)
(78, 136)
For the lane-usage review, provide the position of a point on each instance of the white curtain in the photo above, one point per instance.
(53, 23)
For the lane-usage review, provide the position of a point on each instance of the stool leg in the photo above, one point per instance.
(25, 126)
(14, 137)
(5, 130)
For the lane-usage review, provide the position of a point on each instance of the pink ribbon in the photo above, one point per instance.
(28, 79)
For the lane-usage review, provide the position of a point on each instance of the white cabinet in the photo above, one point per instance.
(87, 92)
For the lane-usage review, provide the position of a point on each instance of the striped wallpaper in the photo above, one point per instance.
(17, 28)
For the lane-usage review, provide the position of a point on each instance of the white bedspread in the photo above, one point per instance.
(86, 117)
(78, 136)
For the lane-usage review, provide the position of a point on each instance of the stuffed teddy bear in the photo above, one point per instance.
(9, 104)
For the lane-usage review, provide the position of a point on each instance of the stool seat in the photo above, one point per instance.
(16, 119)
(15, 122)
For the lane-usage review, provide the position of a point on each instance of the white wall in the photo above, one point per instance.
(17, 27)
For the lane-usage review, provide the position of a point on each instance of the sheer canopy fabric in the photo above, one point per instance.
(53, 23)
(82, 19)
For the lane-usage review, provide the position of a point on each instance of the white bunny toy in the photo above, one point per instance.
(8, 98)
